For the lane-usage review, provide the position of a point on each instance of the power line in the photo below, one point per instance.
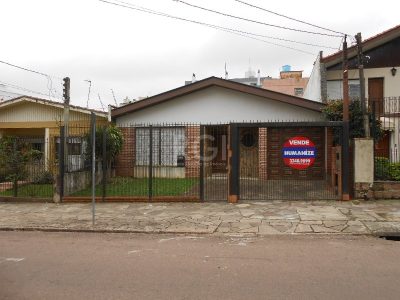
(23, 89)
(257, 22)
(229, 30)
(287, 17)
(28, 70)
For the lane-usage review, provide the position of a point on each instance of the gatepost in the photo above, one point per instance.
(363, 167)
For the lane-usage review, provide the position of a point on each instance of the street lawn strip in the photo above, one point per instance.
(128, 186)
(31, 190)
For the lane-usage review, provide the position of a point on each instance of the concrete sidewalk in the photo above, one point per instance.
(255, 217)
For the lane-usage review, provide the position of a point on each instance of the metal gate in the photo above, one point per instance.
(287, 161)
(214, 142)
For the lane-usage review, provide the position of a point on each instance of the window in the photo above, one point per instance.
(167, 144)
(298, 91)
(74, 146)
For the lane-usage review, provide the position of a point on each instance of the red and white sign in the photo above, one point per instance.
(299, 152)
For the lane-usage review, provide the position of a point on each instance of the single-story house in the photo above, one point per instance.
(197, 117)
(37, 121)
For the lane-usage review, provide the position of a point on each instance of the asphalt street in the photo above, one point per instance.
(38, 265)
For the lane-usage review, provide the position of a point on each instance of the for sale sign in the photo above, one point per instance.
(299, 152)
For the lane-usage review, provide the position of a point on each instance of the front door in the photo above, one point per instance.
(375, 94)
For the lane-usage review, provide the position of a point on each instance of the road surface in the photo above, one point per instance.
(36, 265)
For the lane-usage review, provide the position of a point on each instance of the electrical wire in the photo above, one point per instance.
(48, 77)
(231, 29)
(23, 89)
(287, 17)
(257, 22)
(225, 29)
(28, 70)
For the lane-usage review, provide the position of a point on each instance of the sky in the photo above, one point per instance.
(137, 54)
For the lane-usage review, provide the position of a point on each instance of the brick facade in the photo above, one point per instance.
(125, 161)
(262, 153)
(192, 151)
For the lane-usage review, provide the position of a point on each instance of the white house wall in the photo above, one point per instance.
(219, 105)
(391, 84)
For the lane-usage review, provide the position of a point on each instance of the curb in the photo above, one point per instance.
(214, 233)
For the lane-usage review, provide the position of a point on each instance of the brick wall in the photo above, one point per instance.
(262, 153)
(192, 151)
(125, 161)
(379, 190)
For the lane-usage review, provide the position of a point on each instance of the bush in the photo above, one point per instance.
(382, 166)
(394, 171)
(45, 177)
(385, 170)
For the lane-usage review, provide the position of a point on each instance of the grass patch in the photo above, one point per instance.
(127, 186)
(31, 190)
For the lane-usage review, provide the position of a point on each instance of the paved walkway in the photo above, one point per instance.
(258, 218)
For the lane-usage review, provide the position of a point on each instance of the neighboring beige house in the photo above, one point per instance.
(38, 121)
(382, 83)
(290, 82)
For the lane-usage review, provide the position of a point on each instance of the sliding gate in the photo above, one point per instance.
(288, 161)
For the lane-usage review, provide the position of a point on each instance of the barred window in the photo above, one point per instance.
(167, 144)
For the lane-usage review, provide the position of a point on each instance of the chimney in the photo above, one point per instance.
(258, 78)
(193, 78)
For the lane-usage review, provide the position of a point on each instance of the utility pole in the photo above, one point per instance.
(363, 100)
(346, 133)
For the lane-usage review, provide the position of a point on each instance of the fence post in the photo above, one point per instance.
(202, 136)
(104, 163)
(61, 164)
(345, 161)
(15, 180)
(150, 163)
(234, 161)
(93, 138)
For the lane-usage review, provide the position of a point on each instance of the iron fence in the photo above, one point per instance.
(386, 133)
(27, 166)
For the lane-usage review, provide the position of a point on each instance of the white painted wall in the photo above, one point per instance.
(219, 105)
(391, 84)
(313, 88)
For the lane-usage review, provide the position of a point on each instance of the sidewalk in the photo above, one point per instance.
(256, 217)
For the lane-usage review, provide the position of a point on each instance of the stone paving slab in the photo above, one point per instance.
(247, 218)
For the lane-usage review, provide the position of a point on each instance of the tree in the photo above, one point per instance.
(15, 155)
(334, 112)
(113, 139)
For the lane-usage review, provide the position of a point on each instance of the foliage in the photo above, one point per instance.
(395, 171)
(382, 166)
(45, 177)
(334, 112)
(385, 170)
(15, 154)
(114, 142)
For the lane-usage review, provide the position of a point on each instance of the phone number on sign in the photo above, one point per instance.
(299, 161)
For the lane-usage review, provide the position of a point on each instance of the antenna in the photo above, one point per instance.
(115, 100)
(101, 102)
(226, 72)
(88, 96)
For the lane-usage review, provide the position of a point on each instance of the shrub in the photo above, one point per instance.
(382, 167)
(45, 177)
(394, 171)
